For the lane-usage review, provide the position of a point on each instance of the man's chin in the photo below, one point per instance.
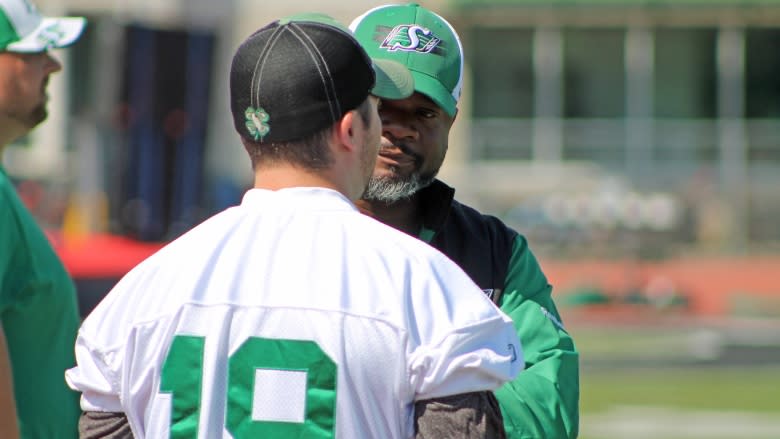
(392, 189)
(37, 116)
(22, 123)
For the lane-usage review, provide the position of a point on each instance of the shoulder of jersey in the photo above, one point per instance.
(389, 236)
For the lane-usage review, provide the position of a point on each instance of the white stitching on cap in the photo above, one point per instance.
(261, 62)
(327, 78)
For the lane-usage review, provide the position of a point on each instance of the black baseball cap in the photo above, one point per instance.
(298, 75)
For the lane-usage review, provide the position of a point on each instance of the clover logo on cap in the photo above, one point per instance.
(257, 122)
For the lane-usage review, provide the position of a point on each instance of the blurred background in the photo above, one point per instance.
(635, 143)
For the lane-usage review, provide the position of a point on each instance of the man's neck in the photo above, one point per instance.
(10, 130)
(282, 175)
(403, 215)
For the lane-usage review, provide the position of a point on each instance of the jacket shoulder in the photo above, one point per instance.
(479, 225)
(481, 244)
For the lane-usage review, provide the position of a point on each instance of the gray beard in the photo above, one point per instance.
(390, 190)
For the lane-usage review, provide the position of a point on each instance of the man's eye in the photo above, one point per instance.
(426, 114)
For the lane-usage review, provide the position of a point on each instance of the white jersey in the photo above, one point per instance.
(290, 314)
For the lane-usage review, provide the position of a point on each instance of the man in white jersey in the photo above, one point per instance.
(293, 315)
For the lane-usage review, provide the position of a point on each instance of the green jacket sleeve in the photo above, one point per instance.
(543, 401)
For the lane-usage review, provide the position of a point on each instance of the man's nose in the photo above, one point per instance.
(52, 64)
(398, 126)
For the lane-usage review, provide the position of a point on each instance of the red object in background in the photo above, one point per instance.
(711, 283)
(101, 255)
(97, 262)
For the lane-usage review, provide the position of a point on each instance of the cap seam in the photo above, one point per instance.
(320, 64)
(15, 37)
(260, 64)
(303, 74)
(13, 25)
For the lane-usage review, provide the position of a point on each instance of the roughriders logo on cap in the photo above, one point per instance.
(410, 34)
(410, 38)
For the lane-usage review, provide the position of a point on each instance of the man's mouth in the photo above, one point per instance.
(393, 157)
(399, 152)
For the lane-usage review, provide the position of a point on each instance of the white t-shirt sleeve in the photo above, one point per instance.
(465, 343)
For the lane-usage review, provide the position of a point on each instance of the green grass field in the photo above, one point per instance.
(628, 389)
(692, 403)
(727, 389)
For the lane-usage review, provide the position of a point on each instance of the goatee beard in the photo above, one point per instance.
(38, 115)
(390, 189)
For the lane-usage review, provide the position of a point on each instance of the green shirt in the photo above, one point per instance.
(40, 318)
(543, 401)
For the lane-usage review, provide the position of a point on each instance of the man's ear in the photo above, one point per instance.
(345, 130)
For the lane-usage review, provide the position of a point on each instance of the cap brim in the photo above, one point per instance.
(393, 80)
(51, 33)
(432, 88)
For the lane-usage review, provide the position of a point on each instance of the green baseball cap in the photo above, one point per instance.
(392, 79)
(421, 40)
(24, 30)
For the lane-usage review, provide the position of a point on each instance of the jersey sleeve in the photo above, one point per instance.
(543, 401)
(465, 348)
(96, 376)
(98, 371)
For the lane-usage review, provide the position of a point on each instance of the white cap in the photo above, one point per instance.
(23, 29)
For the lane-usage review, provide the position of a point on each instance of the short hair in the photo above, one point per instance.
(311, 152)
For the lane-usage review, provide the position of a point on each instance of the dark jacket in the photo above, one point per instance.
(543, 401)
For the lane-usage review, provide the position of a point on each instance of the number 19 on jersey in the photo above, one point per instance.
(276, 388)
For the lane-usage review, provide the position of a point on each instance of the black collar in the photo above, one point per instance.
(435, 202)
